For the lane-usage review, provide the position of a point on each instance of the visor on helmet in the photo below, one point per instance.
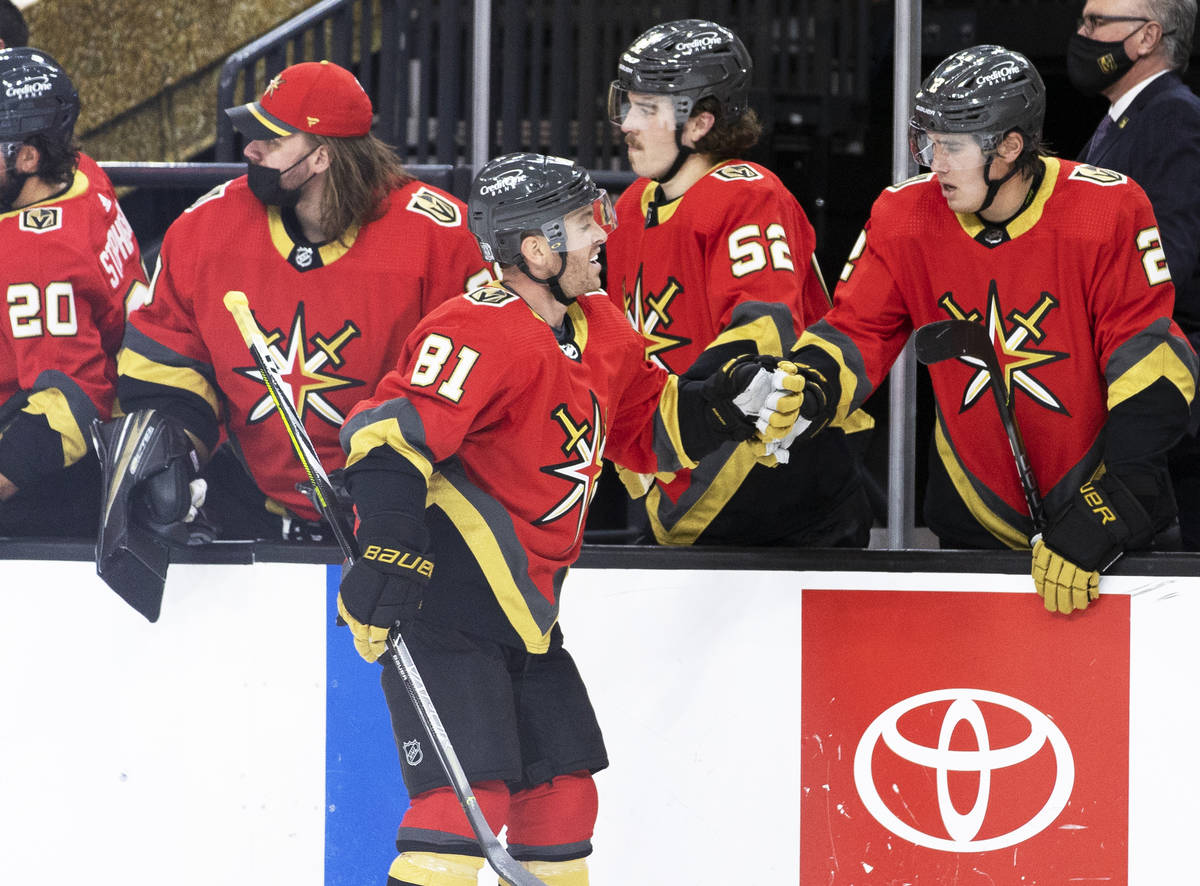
(953, 150)
(576, 229)
(644, 110)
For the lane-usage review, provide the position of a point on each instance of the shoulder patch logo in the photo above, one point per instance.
(41, 219)
(915, 180)
(1097, 175)
(493, 294)
(215, 194)
(437, 207)
(737, 172)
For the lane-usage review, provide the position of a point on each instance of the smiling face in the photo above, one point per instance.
(585, 236)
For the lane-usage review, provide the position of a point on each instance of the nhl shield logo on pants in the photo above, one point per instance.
(413, 755)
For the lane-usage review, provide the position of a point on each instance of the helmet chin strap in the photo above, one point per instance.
(682, 152)
(555, 287)
(993, 186)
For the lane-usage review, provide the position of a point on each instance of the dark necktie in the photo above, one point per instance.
(1103, 133)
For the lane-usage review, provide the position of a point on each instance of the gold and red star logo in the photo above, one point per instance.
(585, 443)
(302, 361)
(1011, 337)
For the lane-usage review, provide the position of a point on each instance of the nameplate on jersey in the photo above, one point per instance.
(1097, 175)
(437, 207)
(41, 219)
(737, 172)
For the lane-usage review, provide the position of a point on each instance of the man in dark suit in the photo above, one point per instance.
(1132, 52)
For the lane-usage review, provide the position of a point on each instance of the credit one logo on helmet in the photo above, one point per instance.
(699, 43)
(31, 89)
(963, 828)
(502, 184)
(997, 76)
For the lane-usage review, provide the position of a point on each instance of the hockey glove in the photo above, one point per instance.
(811, 409)
(1096, 527)
(150, 458)
(748, 396)
(383, 588)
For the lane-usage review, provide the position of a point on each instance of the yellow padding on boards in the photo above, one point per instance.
(559, 873)
(435, 869)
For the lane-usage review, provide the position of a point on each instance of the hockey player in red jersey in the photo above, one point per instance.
(70, 261)
(471, 468)
(1063, 264)
(339, 250)
(712, 258)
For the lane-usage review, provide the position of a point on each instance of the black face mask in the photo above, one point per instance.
(1094, 65)
(265, 184)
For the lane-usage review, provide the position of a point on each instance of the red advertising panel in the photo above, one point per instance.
(963, 737)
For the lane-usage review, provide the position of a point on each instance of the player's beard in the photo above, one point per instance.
(13, 182)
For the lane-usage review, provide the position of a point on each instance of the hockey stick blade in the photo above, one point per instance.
(949, 339)
(497, 857)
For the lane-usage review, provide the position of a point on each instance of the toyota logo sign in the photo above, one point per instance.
(964, 708)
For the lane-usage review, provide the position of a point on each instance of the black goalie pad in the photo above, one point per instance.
(132, 558)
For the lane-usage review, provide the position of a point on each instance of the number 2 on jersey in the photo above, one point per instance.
(435, 351)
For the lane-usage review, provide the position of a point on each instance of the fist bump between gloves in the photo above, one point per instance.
(1095, 528)
(385, 586)
(753, 396)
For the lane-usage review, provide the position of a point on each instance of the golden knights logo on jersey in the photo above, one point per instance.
(301, 360)
(494, 294)
(1011, 336)
(41, 219)
(436, 207)
(583, 446)
(737, 172)
(650, 313)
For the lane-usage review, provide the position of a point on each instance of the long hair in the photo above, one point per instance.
(728, 138)
(362, 173)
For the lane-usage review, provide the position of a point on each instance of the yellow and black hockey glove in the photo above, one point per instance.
(752, 396)
(383, 588)
(1100, 523)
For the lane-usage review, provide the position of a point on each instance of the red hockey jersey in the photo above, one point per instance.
(678, 271)
(730, 260)
(508, 426)
(335, 316)
(69, 264)
(1075, 294)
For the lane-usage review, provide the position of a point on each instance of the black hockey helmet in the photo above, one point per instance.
(518, 193)
(36, 97)
(689, 59)
(986, 91)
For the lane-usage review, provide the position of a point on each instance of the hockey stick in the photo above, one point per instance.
(965, 339)
(502, 863)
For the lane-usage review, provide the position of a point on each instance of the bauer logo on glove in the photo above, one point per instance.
(399, 559)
